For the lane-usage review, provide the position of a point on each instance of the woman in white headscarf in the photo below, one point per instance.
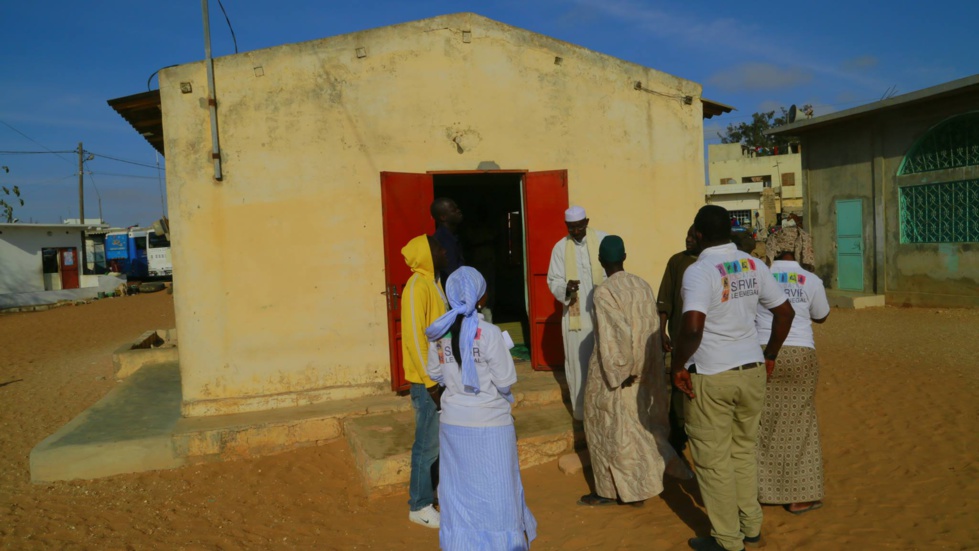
(480, 490)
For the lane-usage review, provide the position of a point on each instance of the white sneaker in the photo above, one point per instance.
(426, 516)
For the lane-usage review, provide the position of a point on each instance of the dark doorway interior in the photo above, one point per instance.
(492, 238)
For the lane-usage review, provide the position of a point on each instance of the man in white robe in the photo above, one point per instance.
(572, 276)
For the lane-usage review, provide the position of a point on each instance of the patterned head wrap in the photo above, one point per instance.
(790, 239)
(464, 288)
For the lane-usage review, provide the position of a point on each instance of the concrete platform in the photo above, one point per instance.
(854, 300)
(138, 427)
(129, 430)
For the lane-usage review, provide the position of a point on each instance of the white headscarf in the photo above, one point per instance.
(464, 288)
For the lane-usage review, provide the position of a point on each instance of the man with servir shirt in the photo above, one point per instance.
(717, 364)
(572, 276)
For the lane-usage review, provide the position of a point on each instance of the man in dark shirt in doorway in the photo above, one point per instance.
(447, 217)
(670, 306)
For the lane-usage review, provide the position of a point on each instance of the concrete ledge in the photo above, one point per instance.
(106, 284)
(152, 347)
(381, 444)
(846, 299)
(286, 400)
(223, 437)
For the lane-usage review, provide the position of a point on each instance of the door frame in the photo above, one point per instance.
(69, 281)
(394, 341)
(850, 245)
(544, 312)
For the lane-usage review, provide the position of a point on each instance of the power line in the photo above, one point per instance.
(124, 175)
(159, 183)
(153, 74)
(233, 39)
(861, 101)
(33, 140)
(52, 181)
(122, 160)
(91, 178)
(34, 152)
(11, 152)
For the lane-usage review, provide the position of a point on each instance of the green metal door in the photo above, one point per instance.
(849, 245)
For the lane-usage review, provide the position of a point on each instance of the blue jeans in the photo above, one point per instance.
(425, 450)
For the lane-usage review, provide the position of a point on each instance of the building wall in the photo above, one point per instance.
(938, 274)
(839, 167)
(20, 255)
(860, 159)
(280, 264)
(730, 162)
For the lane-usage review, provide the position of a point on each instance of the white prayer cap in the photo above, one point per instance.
(574, 214)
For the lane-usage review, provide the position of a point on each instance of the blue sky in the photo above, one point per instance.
(60, 61)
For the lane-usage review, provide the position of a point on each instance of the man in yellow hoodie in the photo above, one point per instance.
(422, 302)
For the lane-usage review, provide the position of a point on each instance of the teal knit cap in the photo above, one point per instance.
(611, 250)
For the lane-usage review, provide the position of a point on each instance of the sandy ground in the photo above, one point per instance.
(899, 412)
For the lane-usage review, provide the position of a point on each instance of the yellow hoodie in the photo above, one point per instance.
(422, 302)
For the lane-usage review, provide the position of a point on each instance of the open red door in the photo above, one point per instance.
(545, 200)
(405, 203)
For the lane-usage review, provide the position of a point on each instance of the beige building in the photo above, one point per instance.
(892, 196)
(289, 268)
(738, 178)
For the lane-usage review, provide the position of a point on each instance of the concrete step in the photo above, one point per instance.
(202, 439)
(854, 300)
(381, 444)
(254, 434)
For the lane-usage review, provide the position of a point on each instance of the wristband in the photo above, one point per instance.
(771, 357)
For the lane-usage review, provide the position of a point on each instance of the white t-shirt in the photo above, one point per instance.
(727, 285)
(804, 290)
(494, 365)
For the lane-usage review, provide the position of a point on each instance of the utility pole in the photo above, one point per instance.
(211, 95)
(81, 206)
(81, 185)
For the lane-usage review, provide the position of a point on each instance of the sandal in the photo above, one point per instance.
(594, 499)
(812, 507)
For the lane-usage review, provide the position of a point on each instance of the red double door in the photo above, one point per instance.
(405, 202)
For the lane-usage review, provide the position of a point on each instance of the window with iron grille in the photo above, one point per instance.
(940, 213)
(742, 216)
(952, 143)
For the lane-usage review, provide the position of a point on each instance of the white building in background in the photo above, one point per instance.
(737, 178)
(42, 264)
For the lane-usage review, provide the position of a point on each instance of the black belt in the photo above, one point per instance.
(750, 365)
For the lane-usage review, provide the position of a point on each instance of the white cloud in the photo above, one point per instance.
(693, 28)
(860, 63)
(696, 28)
(771, 105)
(759, 76)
